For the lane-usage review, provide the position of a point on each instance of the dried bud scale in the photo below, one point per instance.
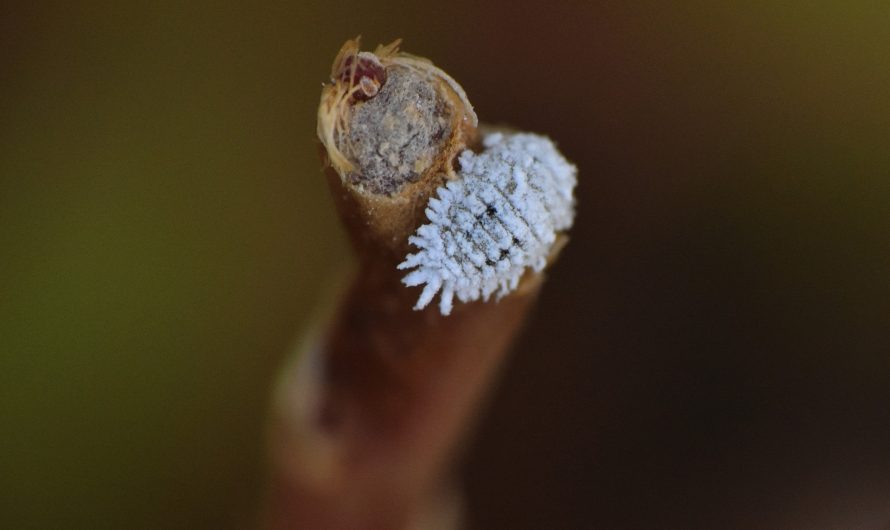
(391, 124)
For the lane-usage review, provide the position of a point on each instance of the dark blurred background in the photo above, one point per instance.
(712, 350)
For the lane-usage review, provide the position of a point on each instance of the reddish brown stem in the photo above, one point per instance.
(368, 420)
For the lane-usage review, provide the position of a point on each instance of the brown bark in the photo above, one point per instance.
(366, 424)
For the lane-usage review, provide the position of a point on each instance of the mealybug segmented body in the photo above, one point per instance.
(499, 218)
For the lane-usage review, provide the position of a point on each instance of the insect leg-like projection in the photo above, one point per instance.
(500, 217)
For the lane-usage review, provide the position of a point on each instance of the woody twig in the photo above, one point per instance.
(368, 421)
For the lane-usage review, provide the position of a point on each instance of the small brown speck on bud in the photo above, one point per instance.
(362, 70)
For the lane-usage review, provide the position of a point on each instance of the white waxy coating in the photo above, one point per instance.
(500, 217)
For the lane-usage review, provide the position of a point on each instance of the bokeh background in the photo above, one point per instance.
(712, 350)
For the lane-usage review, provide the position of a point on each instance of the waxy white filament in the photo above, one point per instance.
(501, 217)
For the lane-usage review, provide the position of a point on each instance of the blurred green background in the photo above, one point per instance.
(712, 351)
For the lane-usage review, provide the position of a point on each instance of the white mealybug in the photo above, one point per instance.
(499, 218)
